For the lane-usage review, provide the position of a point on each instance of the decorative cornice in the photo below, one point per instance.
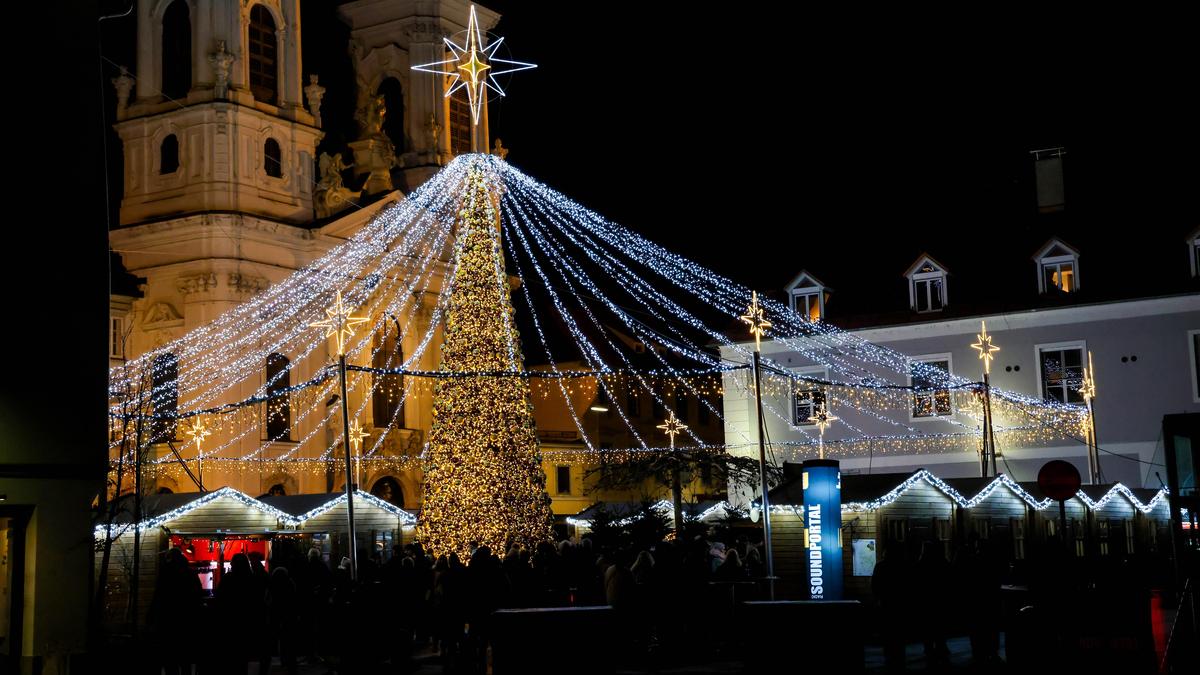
(244, 283)
(196, 283)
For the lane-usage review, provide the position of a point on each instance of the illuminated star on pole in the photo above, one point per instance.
(672, 427)
(470, 66)
(1088, 388)
(339, 323)
(357, 434)
(198, 432)
(756, 320)
(822, 418)
(985, 348)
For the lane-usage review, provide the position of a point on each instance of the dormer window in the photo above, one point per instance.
(806, 296)
(927, 285)
(1058, 268)
(1194, 253)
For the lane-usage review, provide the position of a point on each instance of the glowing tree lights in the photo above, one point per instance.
(483, 475)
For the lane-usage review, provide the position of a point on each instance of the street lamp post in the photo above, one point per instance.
(672, 427)
(986, 349)
(340, 324)
(758, 324)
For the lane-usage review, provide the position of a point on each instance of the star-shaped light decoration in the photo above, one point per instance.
(822, 418)
(756, 320)
(985, 348)
(672, 427)
(1088, 388)
(197, 432)
(339, 323)
(357, 434)
(471, 66)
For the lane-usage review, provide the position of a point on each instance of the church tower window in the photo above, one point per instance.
(168, 155)
(263, 55)
(176, 51)
(273, 158)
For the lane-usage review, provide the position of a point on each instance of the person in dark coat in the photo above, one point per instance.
(175, 612)
(889, 585)
(240, 608)
(283, 617)
(934, 578)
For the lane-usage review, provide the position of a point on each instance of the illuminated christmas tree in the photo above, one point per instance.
(483, 475)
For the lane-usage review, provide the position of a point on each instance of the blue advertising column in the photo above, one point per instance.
(822, 482)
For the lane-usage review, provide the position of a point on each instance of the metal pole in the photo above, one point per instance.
(137, 520)
(990, 445)
(676, 492)
(349, 470)
(762, 471)
(1093, 446)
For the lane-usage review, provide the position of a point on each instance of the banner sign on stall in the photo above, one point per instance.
(822, 482)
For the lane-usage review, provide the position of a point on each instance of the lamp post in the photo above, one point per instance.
(757, 322)
(1088, 390)
(672, 427)
(986, 349)
(340, 324)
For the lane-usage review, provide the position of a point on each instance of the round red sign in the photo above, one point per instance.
(1059, 480)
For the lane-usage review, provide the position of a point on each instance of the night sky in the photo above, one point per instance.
(758, 142)
(751, 139)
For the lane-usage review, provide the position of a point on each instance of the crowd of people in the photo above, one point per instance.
(666, 599)
(412, 601)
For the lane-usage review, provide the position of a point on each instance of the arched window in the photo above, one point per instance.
(273, 158)
(263, 55)
(388, 489)
(164, 397)
(393, 123)
(176, 50)
(168, 161)
(386, 400)
(277, 490)
(279, 406)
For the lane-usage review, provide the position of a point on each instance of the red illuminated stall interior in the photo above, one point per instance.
(209, 554)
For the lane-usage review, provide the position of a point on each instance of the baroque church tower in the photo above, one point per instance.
(224, 189)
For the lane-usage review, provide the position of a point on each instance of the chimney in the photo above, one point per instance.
(1048, 171)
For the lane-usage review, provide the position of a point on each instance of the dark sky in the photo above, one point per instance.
(761, 140)
(756, 139)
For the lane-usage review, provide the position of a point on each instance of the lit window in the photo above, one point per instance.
(928, 377)
(116, 337)
(807, 296)
(1061, 371)
(807, 303)
(1058, 268)
(927, 285)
